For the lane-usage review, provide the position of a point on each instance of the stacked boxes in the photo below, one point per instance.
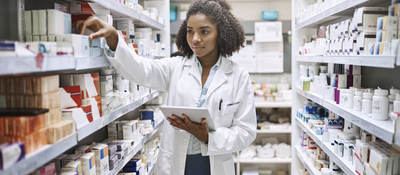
(81, 98)
(23, 126)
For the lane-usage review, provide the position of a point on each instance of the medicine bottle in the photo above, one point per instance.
(346, 98)
(357, 100)
(366, 103)
(392, 96)
(380, 105)
(396, 104)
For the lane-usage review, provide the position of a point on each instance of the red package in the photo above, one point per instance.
(75, 92)
(88, 110)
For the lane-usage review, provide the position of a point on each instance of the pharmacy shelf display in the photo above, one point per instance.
(382, 129)
(371, 61)
(343, 164)
(264, 161)
(41, 156)
(329, 13)
(137, 147)
(49, 152)
(273, 104)
(306, 161)
(20, 65)
(120, 10)
(107, 119)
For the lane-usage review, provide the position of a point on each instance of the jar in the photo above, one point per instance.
(366, 103)
(357, 100)
(346, 98)
(396, 103)
(380, 105)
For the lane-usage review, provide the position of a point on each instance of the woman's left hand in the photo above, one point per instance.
(199, 130)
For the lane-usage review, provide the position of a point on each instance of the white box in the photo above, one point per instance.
(58, 22)
(43, 38)
(28, 22)
(80, 44)
(88, 164)
(101, 156)
(378, 161)
(35, 22)
(42, 22)
(77, 115)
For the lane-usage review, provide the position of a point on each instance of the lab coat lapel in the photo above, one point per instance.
(220, 76)
(193, 69)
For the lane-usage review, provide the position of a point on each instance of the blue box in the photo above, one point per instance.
(269, 15)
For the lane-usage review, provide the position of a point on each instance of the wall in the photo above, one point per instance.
(251, 10)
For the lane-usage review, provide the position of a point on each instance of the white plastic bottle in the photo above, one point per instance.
(367, 103)
(392, 96)
(357, 100)
(396, 104)
(380, 105)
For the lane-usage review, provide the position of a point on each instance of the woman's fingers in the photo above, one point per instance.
(89, 22)
(98, 34)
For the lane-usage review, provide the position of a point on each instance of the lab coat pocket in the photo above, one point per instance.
(229, 112)
(228, 167)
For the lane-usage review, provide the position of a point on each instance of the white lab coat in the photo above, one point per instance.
(181, 78)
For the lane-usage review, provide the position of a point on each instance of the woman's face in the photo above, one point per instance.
(202, 35)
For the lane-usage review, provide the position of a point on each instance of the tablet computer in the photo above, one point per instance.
(194, 113)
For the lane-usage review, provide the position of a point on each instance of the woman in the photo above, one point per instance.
(204, 77)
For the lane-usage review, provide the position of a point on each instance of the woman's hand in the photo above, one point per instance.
(199, 130)
(100, 29)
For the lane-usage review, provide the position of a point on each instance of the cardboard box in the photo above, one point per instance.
(42, 22)
(58, 22)
(59, 131)
(71, 97)
(102, 158)
(28, 22)
(77, 115)
(88, 164)
(11, 154)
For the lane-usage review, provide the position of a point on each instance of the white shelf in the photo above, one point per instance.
(107, 119)
(20, 65)
(328, 14)
(264, 161)
(372, 61)
(306, 161)
(274, 131)
(41, 157)
(136, 149)
(382, 129)
(285, 104)
(91, 63)
(122, 11)
(343, 164)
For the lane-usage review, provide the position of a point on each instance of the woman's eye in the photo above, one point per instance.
(204, 32)
(189, 31)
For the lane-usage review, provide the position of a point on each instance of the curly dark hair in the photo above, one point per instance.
(230, 35)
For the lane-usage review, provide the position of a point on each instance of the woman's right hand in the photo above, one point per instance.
(100, 29)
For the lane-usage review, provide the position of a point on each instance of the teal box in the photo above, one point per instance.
(269, 15)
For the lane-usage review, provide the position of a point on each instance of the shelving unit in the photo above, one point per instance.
(382, 129)
(281, 132)
(306, 161)
(18, 65)
(49, 152)
(107, 119)
(136, 149)
(329, 14)
(372, 61)
(345, 165)
(41, 156)
(119, 10)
